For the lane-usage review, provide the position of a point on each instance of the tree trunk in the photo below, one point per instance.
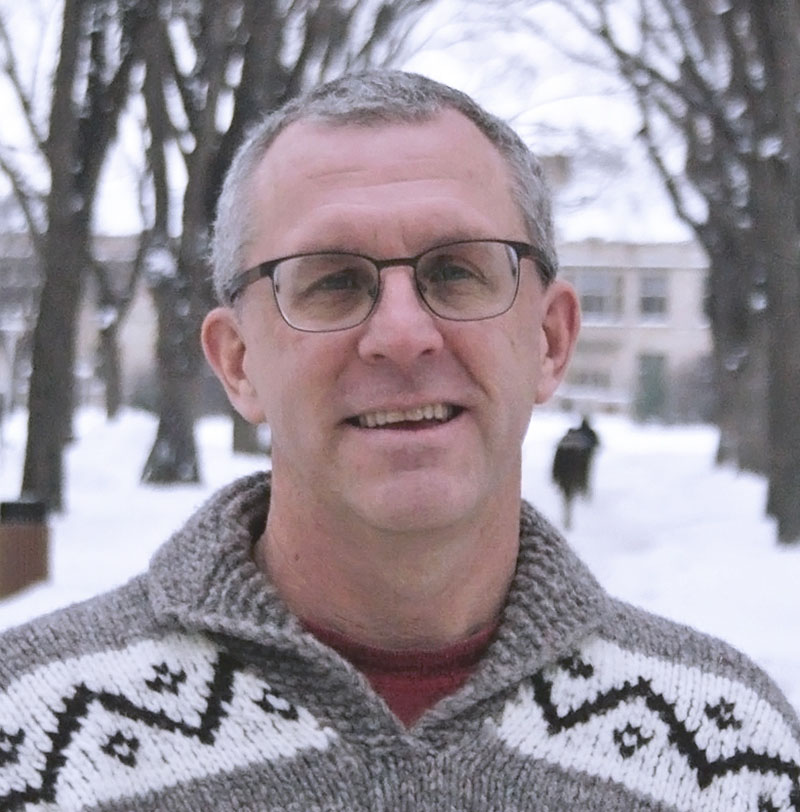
(173, 457)
(780, 235)
(725, 415)
(752, 397)
(776, 189)
(248, 438)
(64, 253)
(51, 395)
(87, 97)
(739, 349)
(110, 368)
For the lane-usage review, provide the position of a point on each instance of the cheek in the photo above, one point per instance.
(297, 376)
(259, 365)
(528, 339)
(264, 365)
(503, 361)
(525, 345)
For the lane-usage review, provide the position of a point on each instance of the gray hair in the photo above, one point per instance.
(371, 98)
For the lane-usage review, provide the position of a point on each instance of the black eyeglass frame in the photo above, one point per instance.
(236, 286)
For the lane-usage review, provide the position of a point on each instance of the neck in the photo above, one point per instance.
(389, 590)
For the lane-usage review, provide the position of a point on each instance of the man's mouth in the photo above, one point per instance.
(417, 417)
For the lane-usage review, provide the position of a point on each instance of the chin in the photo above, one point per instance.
(401, 506)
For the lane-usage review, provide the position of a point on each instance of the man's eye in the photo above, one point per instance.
(444, 272)
(341, 280)
(346, 279)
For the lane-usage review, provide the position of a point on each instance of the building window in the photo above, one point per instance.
(601, 294)
(653, 298)
(589, 378)
(605, 349)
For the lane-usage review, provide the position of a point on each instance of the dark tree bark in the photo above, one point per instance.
(112, 307)
(110, 367)
(776, 188)
(173, 457)
(246, 438)
(88, 95)
(64, 252)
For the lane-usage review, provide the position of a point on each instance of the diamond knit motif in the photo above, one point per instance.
(141, 719)
(648, 723)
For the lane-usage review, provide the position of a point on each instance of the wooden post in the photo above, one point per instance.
(23, 545)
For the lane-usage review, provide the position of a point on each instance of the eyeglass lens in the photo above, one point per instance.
(334, 291)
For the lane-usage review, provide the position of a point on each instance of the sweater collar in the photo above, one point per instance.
(204, 579)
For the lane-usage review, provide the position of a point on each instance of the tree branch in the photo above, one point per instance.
(26, 199)
(667, 177)
(24, 100)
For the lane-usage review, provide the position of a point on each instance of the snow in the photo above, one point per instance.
(664, 528)
(159, 265)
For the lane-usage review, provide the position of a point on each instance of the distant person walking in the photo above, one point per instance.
(572, 465)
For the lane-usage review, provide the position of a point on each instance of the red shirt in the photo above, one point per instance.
(410, 681)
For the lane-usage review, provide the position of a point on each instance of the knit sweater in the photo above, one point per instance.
(194, 688)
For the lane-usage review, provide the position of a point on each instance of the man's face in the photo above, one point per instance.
(390, 191)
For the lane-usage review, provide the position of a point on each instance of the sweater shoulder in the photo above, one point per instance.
(111, 620)
(679, 646)
(671, 713)
(123, 715)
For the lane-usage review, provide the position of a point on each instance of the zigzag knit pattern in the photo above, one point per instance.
(684, 737)
(118, 724)
(581, 704)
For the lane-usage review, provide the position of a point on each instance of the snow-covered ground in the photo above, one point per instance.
(664, 528)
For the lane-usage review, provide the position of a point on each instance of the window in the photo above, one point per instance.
(653, 299)
(607, 349)
(589, 378)
(600, 293)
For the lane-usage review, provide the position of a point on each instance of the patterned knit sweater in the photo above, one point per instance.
(193, 688)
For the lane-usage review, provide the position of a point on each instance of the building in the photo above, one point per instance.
(20, 284)
(645, 345)
(19, 291)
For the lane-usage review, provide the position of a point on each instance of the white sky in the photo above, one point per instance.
(555, 104)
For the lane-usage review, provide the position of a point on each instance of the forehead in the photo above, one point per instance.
(321, 183)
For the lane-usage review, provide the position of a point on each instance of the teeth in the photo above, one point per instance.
(432, 411)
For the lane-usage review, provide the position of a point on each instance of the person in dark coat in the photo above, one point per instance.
(572, 465)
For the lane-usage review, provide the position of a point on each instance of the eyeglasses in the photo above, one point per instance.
(327, 291)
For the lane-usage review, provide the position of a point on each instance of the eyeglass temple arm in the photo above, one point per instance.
(524, 249)
(239, 282)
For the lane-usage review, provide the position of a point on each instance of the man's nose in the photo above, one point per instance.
(400, 328)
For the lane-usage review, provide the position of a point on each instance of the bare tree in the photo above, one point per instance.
(722, 79)
(114, 299)
(213, 67)
(89, 89)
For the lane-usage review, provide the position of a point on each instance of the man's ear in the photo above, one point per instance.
(224, 348)
(560, 326)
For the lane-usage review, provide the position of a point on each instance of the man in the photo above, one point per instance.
(381, 624)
